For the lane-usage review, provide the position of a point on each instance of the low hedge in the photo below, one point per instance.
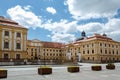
(110, 66)
(44, 70)
(3, 73)
(73, 69)
(96, 67)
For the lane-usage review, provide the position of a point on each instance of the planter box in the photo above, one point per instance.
(3, 73)
(96, 68)
(44, 70)
(73, 69)
(110, 66)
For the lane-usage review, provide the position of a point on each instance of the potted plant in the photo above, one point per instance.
(110, 66)
(73, 69)
(42, 70)
(96, 67)
(3, 73)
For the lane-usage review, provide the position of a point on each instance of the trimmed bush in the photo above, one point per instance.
(110, 66)
(96, 68)
(44, 70)
(73, 69)
(3, 73)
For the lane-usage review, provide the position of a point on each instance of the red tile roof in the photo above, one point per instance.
(52, 45)
(8, 22)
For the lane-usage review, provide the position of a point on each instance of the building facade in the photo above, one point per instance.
(13, 39)
(15, 48)
(98, 49)
(41, 51)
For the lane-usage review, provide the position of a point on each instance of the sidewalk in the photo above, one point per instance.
(60, 73)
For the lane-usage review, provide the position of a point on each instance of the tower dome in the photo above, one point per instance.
(104, 34)
(83, 34)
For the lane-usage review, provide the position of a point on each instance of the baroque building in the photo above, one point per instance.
(13, 39)
(16, 49)
(43, 51)
(97, 48)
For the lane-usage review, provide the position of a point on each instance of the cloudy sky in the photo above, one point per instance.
(64, 20)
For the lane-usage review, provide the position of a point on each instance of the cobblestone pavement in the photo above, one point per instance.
(60, 73)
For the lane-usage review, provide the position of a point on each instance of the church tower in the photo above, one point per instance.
(83, 34)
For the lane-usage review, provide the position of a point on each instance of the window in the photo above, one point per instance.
(59, 50)
(44, 49)
(17, 56)
(6, 44)
(31, 53)
(92, 44)
(100, 44)
(87, 45)
(88, 58)
(83, 52)
(113, 51)
(117, 52)
(109, 45)
(92, 51)
(6, 33)
(18, 46)
(113, 46)
(88, 51)
(18, 34)
(109, 52)
(105, 45)
(105, 51)
(6, 56)
(83, 46)
(101, 50)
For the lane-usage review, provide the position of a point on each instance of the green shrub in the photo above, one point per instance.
(73, 69)
(110, 66)
(96, 67)
(3, 73)
(44, 70)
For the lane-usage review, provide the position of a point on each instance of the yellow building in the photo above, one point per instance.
(41, 51)
(98, 48)
(15, 48)
(13, 39)
(33, 49)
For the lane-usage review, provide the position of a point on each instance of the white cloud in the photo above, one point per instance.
(27, 7)
(62, 31)
(91, 27)
(111, 28)
(64, 38)
(24, 16)
(84, 9)
(51, 10)
(61, 27)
